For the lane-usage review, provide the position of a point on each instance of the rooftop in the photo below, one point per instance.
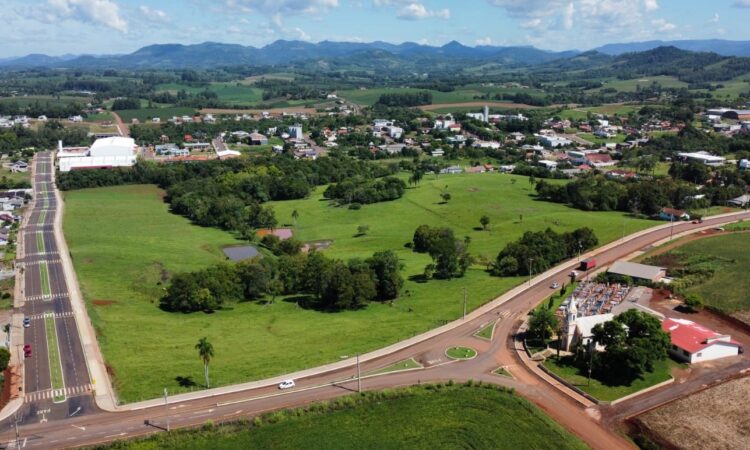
(635, 270)
(691, 336)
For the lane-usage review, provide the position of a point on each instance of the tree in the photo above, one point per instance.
(542, 323)
(446, 196)
(362, 230)
(386, 268)
(205, 352)
(694, 302)
(634, 341)
(485, 221)
(275, 288)
(295, 216)
(4, 358)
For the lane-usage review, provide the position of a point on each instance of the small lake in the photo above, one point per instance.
(241, 253)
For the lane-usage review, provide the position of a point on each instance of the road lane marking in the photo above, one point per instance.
(80, 428)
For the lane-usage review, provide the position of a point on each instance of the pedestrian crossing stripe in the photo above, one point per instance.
(48, 261)
(46, 297)
(60, 315)
(30, 255)
(48, 394)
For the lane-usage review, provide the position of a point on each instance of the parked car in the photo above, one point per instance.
(26, 322)
(27, 351)
(287, 384)
(554, 285)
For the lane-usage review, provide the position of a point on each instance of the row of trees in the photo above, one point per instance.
(405, 99)
(537, 251)
(329, 284)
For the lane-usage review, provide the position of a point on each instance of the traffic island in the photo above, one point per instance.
(461, 353)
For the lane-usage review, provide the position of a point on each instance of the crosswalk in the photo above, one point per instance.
(75, 391)
(47, 261)
(32, 298)
(30, 255)
(60, 315)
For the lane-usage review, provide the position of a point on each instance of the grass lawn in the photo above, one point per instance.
(727, 289)
(127, 231)
(461, 353)
(44, 276)
(40, 242)
(486, 332)
(55, 366)
(597, 389)
(417, 418)
(406, 364)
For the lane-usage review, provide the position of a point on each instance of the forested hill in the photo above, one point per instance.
(690, 67)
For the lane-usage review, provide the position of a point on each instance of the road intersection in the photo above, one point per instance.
(49, 422)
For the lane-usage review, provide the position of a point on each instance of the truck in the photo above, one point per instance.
(587, 264)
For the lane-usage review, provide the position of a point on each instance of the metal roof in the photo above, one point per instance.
(635, 270)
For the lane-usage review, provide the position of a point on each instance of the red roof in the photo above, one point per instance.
(598, 157)
(673, 212)
(691, 336)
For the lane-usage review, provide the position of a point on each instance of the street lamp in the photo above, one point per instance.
(531, 270)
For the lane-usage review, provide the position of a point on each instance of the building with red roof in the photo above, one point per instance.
(694, 343)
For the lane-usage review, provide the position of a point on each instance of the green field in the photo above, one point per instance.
(727, 290)
(418, 418)
(630, 85)
(234, 94)
(55, 366)
(597, 389)
(51, 100)
(145, 114)
(471, 93)
(253, 341)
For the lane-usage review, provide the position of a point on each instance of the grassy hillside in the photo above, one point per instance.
(124, 242)
(417, 418)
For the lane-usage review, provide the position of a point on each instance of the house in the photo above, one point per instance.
(392, 149)
(672, 214)
(452, 170)
(552, 140)
(395, 132)
(638, 272)
(295, 132)
(156, 120)
(741, 202)
(694, 343)
(458, 139)
(492, 145)
(75, 119)
(600, 159)
(19, 166)
(476, 169)
(257, 139)
(489, 168)
(547, 164)
(438, 153)
(227, 154)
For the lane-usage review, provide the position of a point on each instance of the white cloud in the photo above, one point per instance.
(484, 41)
(662, 25)
(272, 7)
(417, 11)
(570, 11)
(98, 12)
(715, 18)
(650, 5)
(741, 4)
(153, 14)
(532, 23)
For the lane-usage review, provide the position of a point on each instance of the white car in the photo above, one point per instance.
(555, 285)
(287, 384)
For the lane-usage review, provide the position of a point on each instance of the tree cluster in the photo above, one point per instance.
(405, 99)
(366, 191)
(537, 251)
(450, 256)
(330, 284)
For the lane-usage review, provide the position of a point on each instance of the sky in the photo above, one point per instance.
(57, 27)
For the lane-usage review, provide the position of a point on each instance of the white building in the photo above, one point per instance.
(577, 330)
(703, 157)
(694, 343)
(553, 140)
(104, 153)
(395, 132)
(295, 131)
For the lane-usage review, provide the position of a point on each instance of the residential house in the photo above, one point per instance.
(694, 343)
(437, 153)
(257, 139)
(452, 170)
(672, 214)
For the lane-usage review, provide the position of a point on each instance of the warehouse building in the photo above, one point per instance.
(103, 153)
(638, 272)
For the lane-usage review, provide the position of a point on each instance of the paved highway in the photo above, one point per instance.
(47, 424)
(56, 382)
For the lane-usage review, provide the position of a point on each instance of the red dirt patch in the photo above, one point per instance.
(103, 302)
(281, 233)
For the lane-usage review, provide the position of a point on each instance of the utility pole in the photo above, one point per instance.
(359, 377)
(591, 359)
(166, 407)
(530, 269)
(671, 226)
(464, 303)
(18, 437)
(579, 251)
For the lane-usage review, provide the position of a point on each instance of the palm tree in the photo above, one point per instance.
(206, 352)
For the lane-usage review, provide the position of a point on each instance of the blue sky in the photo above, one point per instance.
(120, 26)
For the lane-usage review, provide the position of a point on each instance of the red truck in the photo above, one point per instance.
(587, 264)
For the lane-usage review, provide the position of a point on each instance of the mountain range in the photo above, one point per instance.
(282, 52)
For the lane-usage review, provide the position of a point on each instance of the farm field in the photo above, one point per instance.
(51, 100)
(415, 418)
(369, 97)
(145, 114)
(631, 85)
(232, 93)
(726, 290)
(253, 341)
(723, 409)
